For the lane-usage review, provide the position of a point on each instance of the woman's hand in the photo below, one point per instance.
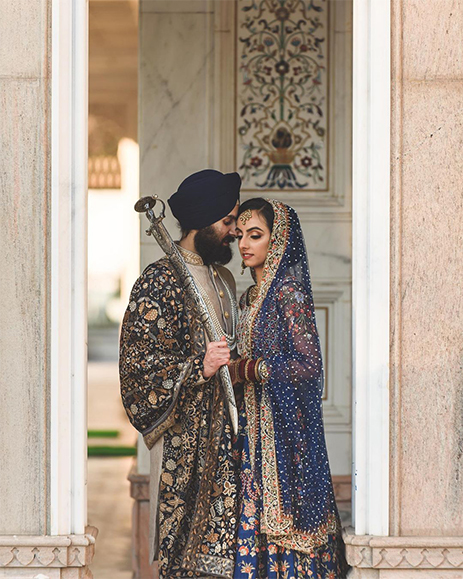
(217, 355)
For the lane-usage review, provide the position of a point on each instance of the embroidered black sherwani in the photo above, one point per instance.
(170, 403)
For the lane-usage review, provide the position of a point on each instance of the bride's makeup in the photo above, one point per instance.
(253, 237)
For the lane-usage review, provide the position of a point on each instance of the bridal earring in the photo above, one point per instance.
(243, 267)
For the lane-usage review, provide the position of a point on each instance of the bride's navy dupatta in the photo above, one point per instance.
(289, 453)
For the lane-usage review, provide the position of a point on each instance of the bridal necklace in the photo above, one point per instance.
(253, 293)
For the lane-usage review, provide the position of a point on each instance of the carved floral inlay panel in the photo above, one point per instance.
(282, 94)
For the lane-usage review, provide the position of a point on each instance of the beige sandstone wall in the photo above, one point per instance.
(24, 308)
(427, 268)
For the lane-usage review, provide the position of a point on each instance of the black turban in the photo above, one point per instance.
(204, 198)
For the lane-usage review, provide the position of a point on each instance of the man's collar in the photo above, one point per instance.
(190, 256)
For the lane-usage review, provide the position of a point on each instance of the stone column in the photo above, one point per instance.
(426, 373)
(42, 291)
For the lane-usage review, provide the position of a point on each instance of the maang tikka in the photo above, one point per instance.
(245, 216)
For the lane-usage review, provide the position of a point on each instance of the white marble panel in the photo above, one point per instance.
(329, 247)
(175, 100)
(339, 452)
(333, 311)
(371, 266)
(338, 196)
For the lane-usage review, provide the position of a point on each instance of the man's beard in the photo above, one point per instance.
(211, 248)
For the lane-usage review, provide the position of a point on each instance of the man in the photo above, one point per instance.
(171, 390)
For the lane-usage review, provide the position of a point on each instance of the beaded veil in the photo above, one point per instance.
(287, 443)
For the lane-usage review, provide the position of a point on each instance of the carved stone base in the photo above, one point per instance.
(404, 557)
(139, 491)
(47, 557)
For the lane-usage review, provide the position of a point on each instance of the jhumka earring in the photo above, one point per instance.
(243, 267)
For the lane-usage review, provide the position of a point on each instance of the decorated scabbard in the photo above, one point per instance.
(159, 232)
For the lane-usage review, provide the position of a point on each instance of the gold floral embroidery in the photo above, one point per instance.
(151, 314)
(251, 418)
(274, 522)
(167, 478)
(190, 256)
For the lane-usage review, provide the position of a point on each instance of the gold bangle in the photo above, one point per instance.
(246, 368)
(257, 376)
(262, 371)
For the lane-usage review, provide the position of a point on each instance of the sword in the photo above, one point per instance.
(158, 230)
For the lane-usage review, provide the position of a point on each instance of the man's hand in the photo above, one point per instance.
(234, 373)
(217, 355)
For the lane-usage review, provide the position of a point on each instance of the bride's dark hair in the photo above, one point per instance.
(260, 205)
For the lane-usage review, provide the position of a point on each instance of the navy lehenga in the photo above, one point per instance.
(289, 525)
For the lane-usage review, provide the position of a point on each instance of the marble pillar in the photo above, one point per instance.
(426, 373)
(43, 531)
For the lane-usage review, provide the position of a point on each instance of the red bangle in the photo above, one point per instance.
(251, 370)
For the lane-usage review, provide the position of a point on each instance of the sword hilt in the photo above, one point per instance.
(146, 205)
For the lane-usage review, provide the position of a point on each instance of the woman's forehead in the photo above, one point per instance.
(249, 219)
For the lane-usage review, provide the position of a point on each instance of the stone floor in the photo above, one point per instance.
(109, 502)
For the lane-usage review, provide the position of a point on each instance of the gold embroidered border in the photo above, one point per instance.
(274, 521)
(203, 502)
(190, 256)
(251, 420)
(168, 418)
(307, 542)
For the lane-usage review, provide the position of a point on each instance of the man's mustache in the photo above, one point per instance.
(228, 239)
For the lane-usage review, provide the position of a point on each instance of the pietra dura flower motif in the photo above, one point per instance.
(282, 85)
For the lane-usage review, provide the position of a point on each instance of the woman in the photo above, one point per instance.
(289, 524)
